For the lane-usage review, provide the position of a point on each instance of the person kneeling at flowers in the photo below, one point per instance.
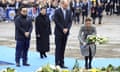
(88, 48)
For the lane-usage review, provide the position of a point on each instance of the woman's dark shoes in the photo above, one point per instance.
(45, 55)
(86, 66)
(90, 67)
(41, 56)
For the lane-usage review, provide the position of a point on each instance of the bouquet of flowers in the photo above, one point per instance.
(51, 68)
(8, 70)
(76, 68)
(91, 39)
(96, 39)
(109, 68)
(102, 40)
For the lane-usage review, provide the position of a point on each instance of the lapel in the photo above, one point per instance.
(61, 12)
(66, 15)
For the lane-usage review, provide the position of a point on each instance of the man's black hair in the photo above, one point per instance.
(22, 7)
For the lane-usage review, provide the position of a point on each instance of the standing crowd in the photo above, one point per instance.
(80, 8)
(63, 13)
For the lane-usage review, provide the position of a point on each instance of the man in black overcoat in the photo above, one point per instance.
(23, 29)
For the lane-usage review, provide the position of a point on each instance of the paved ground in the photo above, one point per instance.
(37, 62)
(110, 28)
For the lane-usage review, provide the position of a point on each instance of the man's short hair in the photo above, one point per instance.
(63, 1)
(21, 7)
(43, 6)
(88, 19)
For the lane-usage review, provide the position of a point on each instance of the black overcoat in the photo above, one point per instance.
(42, 28)
(93, 12)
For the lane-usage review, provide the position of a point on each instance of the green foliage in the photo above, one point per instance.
(110, 67)
(46, 68)
(95, 38)
(49, 68)
(91, 39)
(103, 69)
(118, 69)
(8, 70)
(76, 66)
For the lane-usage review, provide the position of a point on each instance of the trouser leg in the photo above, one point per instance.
(86, 62)
(58, 43)
(64, 41)
(25, 51)
(19, 49)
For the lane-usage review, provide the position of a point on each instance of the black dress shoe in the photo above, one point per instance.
(90, 67)
(41, 55)
(86, 67)
(99, 22)
(45, 55)
(64, 67)
(26, 64)
(17, 64)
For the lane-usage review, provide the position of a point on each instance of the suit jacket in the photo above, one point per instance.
(100, 11)
(22, 25)
(85, 9)
(61, 23)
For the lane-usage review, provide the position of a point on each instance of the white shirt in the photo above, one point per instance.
(64, 12)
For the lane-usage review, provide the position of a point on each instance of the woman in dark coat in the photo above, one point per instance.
(43, 30)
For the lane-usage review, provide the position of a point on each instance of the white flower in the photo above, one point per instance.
(38, 70)
(52, 67)
(58, 67)
(98, 35)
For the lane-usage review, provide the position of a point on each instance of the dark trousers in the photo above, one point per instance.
(60, 50)
(88, 60)
(100, 19)
(77, 17)
(111, 11)
(83, 18)
(94, 18)
(22, 50)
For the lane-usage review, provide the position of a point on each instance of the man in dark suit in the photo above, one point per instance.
(63, 21)
(23, 29)
(84, 10)
(100, 13)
